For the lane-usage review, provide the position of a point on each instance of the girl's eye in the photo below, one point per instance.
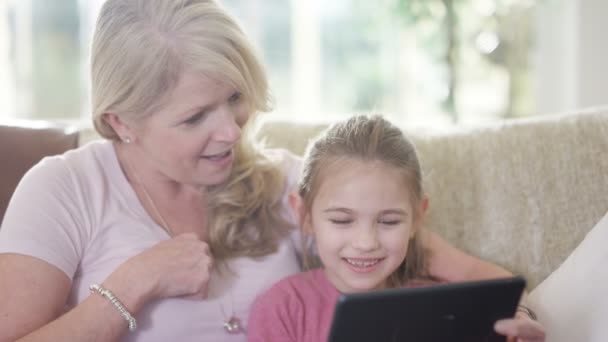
(340, 221)
(235, 97)
(194, 118)
(389, 222)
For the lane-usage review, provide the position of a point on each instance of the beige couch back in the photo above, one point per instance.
(521, 193)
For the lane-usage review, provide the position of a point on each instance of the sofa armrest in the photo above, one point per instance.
(22, 145)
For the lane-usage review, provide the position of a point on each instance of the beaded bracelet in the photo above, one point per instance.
(110, 296)
(526, 310)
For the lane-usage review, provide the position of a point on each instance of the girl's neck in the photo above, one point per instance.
(332, 279)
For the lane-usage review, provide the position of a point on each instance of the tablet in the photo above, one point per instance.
(463, 311)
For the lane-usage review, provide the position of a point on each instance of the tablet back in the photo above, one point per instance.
(447, 312)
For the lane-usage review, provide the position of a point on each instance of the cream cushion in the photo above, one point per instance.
(572, 303)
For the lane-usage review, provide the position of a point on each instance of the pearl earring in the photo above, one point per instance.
(127, 140)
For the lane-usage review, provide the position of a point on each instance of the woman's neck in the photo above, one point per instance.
(175, 206)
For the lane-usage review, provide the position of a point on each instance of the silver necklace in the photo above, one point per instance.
(163, 222)
(232, 324)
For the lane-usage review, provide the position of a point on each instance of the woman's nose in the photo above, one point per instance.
(227, 128)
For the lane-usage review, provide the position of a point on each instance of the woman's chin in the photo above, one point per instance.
(215, 181)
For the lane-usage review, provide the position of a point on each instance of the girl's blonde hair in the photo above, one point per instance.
(369, 139)
(140, 49)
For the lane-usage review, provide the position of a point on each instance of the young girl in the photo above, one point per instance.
(361, 198)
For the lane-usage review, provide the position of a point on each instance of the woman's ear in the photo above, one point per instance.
(122, 128)
(296, 202)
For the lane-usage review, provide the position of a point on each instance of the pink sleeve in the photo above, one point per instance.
(271, 318)
(46, 218)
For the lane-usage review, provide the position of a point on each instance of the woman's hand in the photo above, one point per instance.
(180, 266)
(520, 329)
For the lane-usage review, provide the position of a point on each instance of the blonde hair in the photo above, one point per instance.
(369, 139)
(140, 49)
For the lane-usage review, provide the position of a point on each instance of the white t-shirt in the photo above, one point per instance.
(78, 212)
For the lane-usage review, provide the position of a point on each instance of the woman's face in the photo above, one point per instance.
(191, 139)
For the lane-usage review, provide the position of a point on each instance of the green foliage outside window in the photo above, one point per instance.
(496, 33)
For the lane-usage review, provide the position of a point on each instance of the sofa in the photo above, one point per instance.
(521, 193)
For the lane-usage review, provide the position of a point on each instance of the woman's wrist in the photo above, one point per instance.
(117, 303)
(132, 294)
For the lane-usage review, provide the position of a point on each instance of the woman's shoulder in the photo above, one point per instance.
(97, 152)
(61, 168)
(52, 203)
(68, 177)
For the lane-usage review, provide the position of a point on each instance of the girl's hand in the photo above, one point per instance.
(180, 266)
(520, 329)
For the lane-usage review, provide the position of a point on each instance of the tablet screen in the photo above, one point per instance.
(463, 311)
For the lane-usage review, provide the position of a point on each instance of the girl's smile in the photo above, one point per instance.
(363, 265)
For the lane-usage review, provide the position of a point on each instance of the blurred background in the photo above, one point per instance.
(420, 62)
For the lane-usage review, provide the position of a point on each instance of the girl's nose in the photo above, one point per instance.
(366, 239)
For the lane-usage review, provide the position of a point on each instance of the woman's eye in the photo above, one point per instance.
(194, 118)
(235, 97)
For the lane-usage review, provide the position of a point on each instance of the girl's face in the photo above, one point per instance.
(362, 219)
(191, 140)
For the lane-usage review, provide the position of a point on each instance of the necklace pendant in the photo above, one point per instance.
(233, 325)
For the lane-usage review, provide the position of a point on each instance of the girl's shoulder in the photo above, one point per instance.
(293, 284)
(304, 286)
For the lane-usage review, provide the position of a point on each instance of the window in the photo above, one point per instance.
(425, 62)
(41, 57)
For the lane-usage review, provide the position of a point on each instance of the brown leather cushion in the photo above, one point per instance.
(23, 146)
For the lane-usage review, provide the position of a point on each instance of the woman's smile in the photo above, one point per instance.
(220, 159)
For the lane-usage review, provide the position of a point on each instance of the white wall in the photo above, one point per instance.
(593, 58)
(7, 95)
(571, 60)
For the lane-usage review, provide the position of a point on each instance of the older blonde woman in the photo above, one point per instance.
(118, 239)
